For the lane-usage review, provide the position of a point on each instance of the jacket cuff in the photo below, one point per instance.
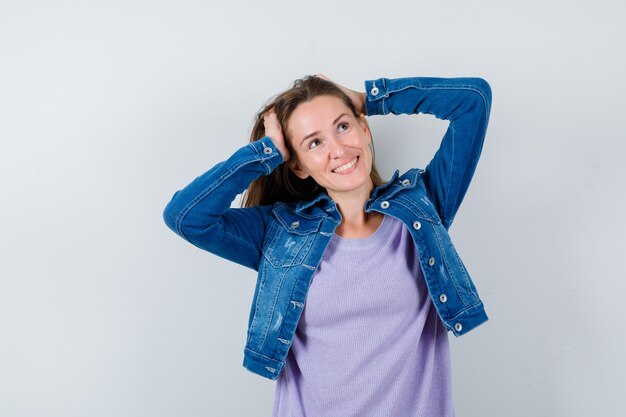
(376, 92)
(261, 364)
(268, 153)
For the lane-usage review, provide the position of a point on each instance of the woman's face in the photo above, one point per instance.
(331, 145)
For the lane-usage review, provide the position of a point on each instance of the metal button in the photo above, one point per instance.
(443, 298)
(295, 224)
(458, 327)
(417, 225)
(374, 90)
(384, 204)
(431, 261)
(406, 182)
(267, 150)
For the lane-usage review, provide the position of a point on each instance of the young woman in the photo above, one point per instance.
(358, 280)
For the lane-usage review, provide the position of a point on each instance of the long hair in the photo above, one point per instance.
(282, 184)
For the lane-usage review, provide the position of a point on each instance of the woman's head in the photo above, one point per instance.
(324, 135)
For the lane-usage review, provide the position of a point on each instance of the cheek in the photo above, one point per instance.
(313, 162)
(304, 161)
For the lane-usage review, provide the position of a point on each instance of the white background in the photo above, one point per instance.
(108, 108)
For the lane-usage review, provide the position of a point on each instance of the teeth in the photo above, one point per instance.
(346, 166)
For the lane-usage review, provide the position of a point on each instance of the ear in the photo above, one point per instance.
(295, 167)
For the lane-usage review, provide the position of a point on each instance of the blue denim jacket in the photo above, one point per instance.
(285, 242)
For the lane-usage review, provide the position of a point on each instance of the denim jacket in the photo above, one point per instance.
(285, 242)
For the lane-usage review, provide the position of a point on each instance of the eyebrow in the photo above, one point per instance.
(317, 131)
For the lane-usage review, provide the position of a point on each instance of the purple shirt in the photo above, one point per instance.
(369, 342)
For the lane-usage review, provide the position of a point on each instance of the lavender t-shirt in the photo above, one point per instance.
(369, 342)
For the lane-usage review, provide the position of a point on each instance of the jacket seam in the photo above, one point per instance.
(465, 310)
(183, 213)
(263, 355)
(444, 87)
(273, 308)
(444, 218)
(448, 268)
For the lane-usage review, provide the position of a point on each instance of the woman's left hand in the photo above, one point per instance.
(358, 98)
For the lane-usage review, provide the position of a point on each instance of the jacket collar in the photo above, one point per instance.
(381, 189)
(326, 203)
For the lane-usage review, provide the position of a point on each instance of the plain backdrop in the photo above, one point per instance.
(108, 108)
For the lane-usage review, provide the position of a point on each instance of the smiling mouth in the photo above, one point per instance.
(346, 167)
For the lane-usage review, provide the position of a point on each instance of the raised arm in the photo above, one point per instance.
(201, 214)
(465, 103)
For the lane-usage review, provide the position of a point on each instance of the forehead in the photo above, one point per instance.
(316, 114)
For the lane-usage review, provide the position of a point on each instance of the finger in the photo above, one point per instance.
(322, 76)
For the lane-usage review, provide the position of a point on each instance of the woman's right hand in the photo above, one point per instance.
(275, 132)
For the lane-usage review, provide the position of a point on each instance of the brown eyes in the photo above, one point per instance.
(341, 127)
(314, 143)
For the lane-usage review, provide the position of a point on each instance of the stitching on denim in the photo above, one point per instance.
(410, 205)
(306, 244)
(290, 329)
(464, 272)
(467, 310)
(444, 217)
(255, 319)
(394, 189)
(279, 287)
(273, 308)
(271, 236)
(181, 215)
(452, 175)
(257, 353)
(263, 158)
(265, 329)
(448, 268)
(288, 208)
(267, 167)
(445, 87)
(284, 222)
(284, 271)
(296, 304)
(275, 230)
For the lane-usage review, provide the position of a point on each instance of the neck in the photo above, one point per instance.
(355, 221)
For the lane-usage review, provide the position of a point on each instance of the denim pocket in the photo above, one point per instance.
(289, 238)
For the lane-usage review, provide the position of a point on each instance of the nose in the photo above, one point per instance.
(337, 149)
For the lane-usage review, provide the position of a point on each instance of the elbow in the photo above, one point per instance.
(185, 222)
(482, 87)
(168, 218)
(171, 216)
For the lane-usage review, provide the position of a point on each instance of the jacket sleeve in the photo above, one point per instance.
(465, 103)
(201, 214)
